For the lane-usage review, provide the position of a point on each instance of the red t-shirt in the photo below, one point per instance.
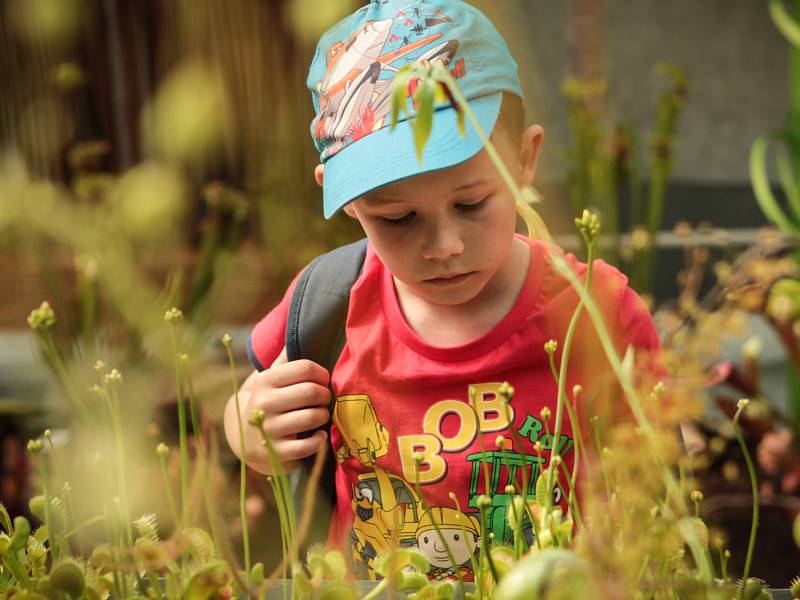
(397, 395)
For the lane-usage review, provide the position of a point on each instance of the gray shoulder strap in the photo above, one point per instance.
(318, 311)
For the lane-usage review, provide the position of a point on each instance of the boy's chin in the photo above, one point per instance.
(455, 296)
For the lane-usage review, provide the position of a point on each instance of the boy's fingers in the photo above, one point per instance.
(292, 397)
(282, 358)
(300, 448)
(296, 421)
(296, 371)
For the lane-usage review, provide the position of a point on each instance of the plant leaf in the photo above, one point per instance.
(761, 188)
(5, 519)
(206, 581)
(423, 122)
(147, 525)
(784, 22)
(400, 94)
(788, 181)
(334, 565)
(336, 590)
(199, 543)
(461, 122)
(396, 561)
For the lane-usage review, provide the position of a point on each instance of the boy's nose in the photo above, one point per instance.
(443, 242)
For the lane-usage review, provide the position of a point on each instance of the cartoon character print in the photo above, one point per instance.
(442, 529)
(354, 93)
(388, 513)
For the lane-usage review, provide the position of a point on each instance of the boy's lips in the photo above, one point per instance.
(449, 279)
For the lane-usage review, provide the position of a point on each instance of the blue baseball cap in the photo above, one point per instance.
(351, 79)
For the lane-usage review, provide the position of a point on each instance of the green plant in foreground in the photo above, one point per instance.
(639, 536)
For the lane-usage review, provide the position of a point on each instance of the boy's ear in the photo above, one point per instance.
(529, 154)
(349, 210)
(319, 173)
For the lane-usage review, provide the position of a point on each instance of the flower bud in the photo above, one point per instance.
(42, 318)
(483, 501)
(256, 418)
(173, 315)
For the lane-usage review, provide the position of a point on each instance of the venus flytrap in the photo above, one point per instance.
(11, 546)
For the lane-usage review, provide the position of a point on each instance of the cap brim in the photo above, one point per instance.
(386, 156)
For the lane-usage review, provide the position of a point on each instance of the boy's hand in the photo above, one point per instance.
(294, 397)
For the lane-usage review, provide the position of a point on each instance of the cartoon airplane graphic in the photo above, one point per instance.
(352, 87)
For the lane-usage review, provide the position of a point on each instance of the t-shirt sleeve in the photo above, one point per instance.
(638, 330)
(269, 335)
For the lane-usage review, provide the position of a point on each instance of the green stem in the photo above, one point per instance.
(56, 545)
(183, 449)
(577, 435)
(472, 560)
(87, 523)
(630, 393)
(599, 447)
(173, 509)
(562, 377)
(572, 502)
(17, 570)
(283, 498)
(201, 451)
(116, 423)
(242, 464)
(51, 352)
(754, 488)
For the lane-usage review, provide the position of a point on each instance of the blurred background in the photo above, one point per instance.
(157, 153)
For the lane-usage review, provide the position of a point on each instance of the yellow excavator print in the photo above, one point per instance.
(362, 435)
(387, 513)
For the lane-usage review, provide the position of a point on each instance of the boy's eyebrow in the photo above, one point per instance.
(469, 185)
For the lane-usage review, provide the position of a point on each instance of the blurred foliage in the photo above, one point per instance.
(177, 125)
(606, 171)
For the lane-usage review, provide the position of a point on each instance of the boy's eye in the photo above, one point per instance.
(399, 220)
(470, 206)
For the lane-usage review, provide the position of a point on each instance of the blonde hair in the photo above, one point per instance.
(511, 120)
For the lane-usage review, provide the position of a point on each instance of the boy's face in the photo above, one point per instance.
(447, 235)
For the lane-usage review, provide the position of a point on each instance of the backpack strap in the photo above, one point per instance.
(315, 329)
(318, 311)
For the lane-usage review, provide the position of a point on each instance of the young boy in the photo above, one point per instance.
(450, 302)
